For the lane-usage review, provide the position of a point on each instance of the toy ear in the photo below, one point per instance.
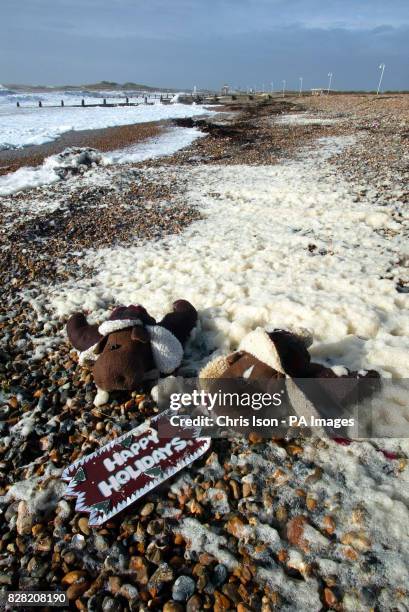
(140, 334)
(181, 321)
(81, 334)
(100, 346)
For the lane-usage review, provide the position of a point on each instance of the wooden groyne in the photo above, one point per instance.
(143, 99)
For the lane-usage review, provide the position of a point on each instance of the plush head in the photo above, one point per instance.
(129, 345)
(123, 359)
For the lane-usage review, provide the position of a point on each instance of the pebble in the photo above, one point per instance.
(241, 607)
(129, 591)
(183, 588)
(295, 532)
(73, 576)
(139, 566)
(78, 541)
(172, 606)
(329, 524)
(194, 604)
(83, 525)
(330, 598)
(5, 578)
(100, 543)
(162, 575)
(356, 539)
(219, 574)
(24, 520)
(147, 509)
(111, 605)
(77, 589)
(221, 602)
(114, 584)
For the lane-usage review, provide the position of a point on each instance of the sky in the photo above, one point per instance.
(183, 43)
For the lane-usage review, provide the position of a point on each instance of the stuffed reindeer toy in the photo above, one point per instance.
(130, 346)
(267, 360)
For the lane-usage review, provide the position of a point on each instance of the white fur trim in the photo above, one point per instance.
(87, 356)
(166, 349)
(215, 368)
(107, 327)
(259, 344)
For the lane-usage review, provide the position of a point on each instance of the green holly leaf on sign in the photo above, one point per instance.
(127, 442)
(154, 472)
(102, 506)
(80, 475)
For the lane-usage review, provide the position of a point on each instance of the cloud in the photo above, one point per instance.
(188, 19)
(187, 42)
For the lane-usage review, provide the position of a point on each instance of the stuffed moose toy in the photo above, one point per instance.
(130, 346)
(265, 357)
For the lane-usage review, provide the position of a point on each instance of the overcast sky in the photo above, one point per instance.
(182, 43)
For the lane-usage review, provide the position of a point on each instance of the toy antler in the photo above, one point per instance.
(81, 334)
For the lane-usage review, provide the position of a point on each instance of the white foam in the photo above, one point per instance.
(248, 264)
(366, 495)
(21, 127)
(304, 119)
(51, 170)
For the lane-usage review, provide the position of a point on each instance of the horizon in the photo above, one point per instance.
(153, 86)
(245, 43)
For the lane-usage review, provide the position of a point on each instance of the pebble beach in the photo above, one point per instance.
(285, 211)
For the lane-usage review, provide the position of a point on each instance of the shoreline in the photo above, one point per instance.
(103, 139)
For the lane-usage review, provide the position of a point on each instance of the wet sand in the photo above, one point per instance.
(106, 139)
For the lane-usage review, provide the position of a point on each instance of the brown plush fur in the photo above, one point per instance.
(82, 335)
(296, 363)
(125, 356)
(123, 361)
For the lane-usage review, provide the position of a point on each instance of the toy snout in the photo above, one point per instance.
(123, 359)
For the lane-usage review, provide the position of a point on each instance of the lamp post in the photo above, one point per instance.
(301, 79)
(330, 75)
(382, 69)
(284, 83)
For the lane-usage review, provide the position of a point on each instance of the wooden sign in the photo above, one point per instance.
(119, 473)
